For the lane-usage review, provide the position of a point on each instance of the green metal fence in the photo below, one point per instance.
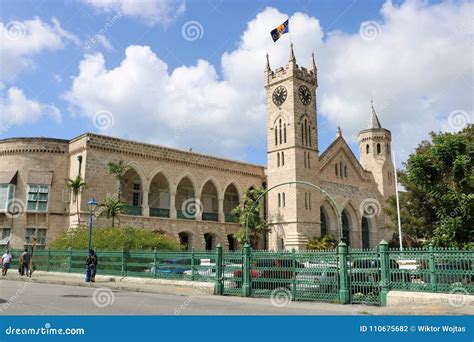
(342, 275)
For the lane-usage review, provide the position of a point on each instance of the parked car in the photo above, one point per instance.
(448, 273)
(170, 267)
(318, 280)
(269, 274)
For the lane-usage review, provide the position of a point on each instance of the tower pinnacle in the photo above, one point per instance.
(373, 119)
(292, 59)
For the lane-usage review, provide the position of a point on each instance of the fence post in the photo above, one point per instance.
(218, 288)
(343, 286)
(123, 262)
(154, 262)
(384, 272)
(432, 267)
(246, 275)
(293, 274)
(47, 260)
(193, 264)
(70, 260)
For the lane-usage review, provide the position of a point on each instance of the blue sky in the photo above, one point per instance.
(45, 93)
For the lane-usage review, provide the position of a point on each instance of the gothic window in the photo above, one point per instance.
(283, 199)
(309, 163)
(276, 135)
(278, 159)
(306, 132)
(309, 134)
(336, 168)
(309, 201)
(379, 149)
(282, 158)
(345, 171)
(324, 222)
(367, 149)
(304, 158)
(302, 134)
(306, 200)
(280, 130)
(340, 169)
(284, 133)
(279, 200)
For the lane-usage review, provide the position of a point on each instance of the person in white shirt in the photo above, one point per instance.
(6, 258)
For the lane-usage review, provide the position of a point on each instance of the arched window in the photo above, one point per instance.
(309, 201)
(279, 200)
(379, 149)
(278, 159)
(340, 169)
(367, 148)
(304, 158)
(306, 131)
(346, 228)
(309, 163)
(306, 200)
(276, 135)
(283, 200)
(282, 158)
(336, 168)
(309, 134)
(324, 222)
(345, 171)
(284, 133)
(280, 130)
(302, 134)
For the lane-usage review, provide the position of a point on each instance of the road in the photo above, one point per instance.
(21, 297)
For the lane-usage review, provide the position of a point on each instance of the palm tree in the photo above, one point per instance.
(112, 208)
(118, 169)
(76, 185)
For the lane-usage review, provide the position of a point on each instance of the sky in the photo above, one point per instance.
(189, 74)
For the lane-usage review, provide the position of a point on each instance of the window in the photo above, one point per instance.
(304, 158)
(283, 200)
(279, 200)
(309, 134)
(306, 200)
(302, 134)
(284, 133)
(340, 169)
(336, 168)
(7, 193)
(379, 149)
(345, 171)
(39, 234)
(37, 197)
(309, 201)
(367, 148)
(306, 132)
(282, 158)
(6, 232)
(309, 163)
(136, 195)
(276, 135)
(278, 159)
(280, 130)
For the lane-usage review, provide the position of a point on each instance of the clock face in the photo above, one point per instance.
(305, 95)
(279, 95)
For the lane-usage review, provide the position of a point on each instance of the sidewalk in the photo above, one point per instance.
(135, 284)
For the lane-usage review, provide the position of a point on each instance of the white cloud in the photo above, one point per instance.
(418, 70)
(17, 109)
(153, 12)
(20, 41)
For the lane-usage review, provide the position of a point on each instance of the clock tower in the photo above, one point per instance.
(292, 147)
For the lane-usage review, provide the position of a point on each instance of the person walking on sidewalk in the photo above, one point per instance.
(24, 262)
(6, 258)
(91, 263)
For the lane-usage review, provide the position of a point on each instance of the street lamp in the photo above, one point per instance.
(92, 204)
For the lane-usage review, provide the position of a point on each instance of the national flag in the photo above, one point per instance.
(280, 30)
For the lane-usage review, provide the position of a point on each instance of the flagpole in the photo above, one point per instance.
(398, 203)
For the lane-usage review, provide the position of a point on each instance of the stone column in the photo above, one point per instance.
(199, 205)
(220, 209)
(173, 205)
(145, 207)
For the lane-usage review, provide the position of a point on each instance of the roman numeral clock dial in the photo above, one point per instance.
(279, 95)
(305, 95)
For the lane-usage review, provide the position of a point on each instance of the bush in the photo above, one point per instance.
(128, 238)
(325, 242)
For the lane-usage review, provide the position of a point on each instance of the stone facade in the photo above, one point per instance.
(189, 196)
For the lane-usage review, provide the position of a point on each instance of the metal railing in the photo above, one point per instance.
(159, 212)
(132, 210)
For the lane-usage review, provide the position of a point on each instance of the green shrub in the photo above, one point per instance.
(325, 242)
(128, 238)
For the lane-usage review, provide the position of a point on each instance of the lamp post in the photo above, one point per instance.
(91, 204)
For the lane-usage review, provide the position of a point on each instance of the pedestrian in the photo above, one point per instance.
(6, 258)
(24, 262)
(91, 262)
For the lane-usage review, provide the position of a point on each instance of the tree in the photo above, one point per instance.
(111, 208)
(256, 225)
(438, 205)
(128, 238)
(324, 242)
(118, 169)
(76, 185)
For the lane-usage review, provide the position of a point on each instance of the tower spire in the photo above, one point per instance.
(292, 59)
(373, 119)
(338, 132)
(313, 64)
(268, 64)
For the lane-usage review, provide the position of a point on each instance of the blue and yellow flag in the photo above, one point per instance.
(280, 30)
